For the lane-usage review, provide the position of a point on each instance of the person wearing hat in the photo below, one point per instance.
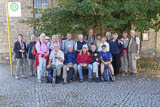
(48, 41)
(106, 59)
(84, 61)
(31, 57)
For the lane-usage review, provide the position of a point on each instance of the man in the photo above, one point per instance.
(133, 50)
(106, 59)
(67, 42)
(54, 41)
(104, 42)
(31, 57)
(56, 60)
(84, 61)
(41, 56)
(90, 38)
(48, 41)
(115, 47)
(109, 36)
(99, 40)
(80, 43)
(70, 61)
(124, 53)
(95, 61)
(20, 55)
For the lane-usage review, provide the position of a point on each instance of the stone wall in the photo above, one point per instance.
(15, 27)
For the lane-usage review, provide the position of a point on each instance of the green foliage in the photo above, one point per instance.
(79, 15)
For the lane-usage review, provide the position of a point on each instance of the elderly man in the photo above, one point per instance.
(67, 42)
(30, 56)
(90, 38)
(99, 39)
(109, 36)
(54, 41)
(80, 43)
(84, 61)
(115, 47)
(56, 60)
(41, 56)
(124, 53)
(70, 61)
(133, 50)
(20, 55)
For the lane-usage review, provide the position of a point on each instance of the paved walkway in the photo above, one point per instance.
(131, 91)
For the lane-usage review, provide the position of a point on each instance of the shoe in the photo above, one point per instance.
(23, 76)
(39, 81)
(81, 80)
(89, 79)
(65, 82)
(113, 78)
(97, 80)
(102, 79)
(16, 77)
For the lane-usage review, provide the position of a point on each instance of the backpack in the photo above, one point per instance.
(34, 51)
(107, 74)
(70, 74)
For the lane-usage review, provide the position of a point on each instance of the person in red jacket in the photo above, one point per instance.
(83, 61)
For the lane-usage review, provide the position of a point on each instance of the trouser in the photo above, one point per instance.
(124, 63)
(19, 67)
(65, 71)
(116, 63)
(89, 67)
(41, 67)
(31, 66)
(110, 67)
(132, 62)
(57, 70)
(95, 68)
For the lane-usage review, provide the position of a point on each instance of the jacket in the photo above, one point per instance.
(29, 50)
(84, 57)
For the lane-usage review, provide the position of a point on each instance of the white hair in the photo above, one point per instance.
(54, 36)
(133, 31)
(70, 46)
(108, 33)
(80, 35)
(33, 36)
(42, 35)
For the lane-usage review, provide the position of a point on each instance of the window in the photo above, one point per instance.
(40, 4)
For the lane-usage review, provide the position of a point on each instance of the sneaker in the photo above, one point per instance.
(97, 80)
(102, 79)
(23, 76)
(65, 82)
(39, 81)
(89, 79)
(16, 77)
(81, 80)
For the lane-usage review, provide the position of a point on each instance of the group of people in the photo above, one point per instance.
(91, 53)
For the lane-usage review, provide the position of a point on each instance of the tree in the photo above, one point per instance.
(79, 15)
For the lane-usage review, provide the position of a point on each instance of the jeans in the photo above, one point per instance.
(41, 67)
(89, 67)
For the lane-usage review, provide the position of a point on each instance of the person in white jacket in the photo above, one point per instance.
(104, 42)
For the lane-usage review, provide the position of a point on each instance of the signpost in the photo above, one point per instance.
(13, 9)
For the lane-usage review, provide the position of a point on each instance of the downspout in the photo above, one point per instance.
(156, 45)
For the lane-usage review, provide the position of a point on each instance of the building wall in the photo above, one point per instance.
(15, 27)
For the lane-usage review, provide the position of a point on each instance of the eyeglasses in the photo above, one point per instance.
(47, 39)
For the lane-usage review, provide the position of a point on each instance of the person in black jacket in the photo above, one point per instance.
(20, 55)
(115, 47)
(95, 61)
(31, 57)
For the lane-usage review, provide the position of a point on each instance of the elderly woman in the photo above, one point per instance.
(109, 36)
(104, 42)
(30, 56)
(79, 43)
(84, 61)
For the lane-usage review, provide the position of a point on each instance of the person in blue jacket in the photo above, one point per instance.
(115, 47)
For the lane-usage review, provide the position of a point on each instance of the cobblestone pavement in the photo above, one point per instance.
(128, 91)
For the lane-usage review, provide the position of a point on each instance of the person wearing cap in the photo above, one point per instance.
(90, 39)
(67, 42)
(41, 58)
(104, 42)
(70, 61)
(20, 55)
(48, 41)
(115, 47)
(79, 43)
(84, 61)
(56, 60)
(31, 57)
(95, 61)
(106, 59)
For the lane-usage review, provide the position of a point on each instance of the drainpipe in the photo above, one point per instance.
(156, 45)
